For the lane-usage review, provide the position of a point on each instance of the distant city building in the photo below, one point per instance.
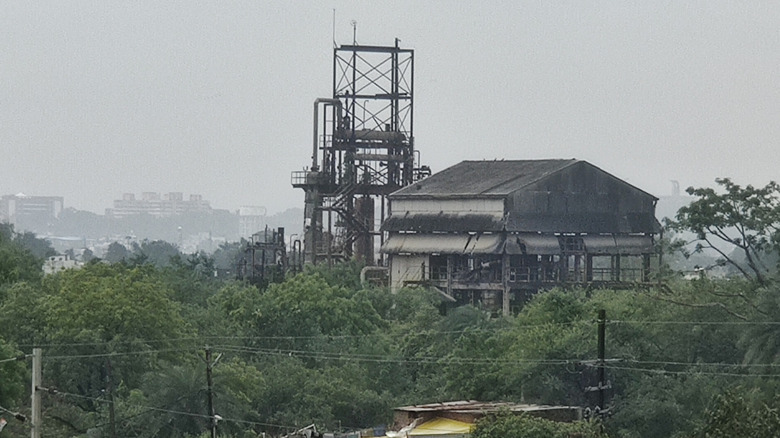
(153, 204)
(22, 210)
(251, 219)
(59, 263)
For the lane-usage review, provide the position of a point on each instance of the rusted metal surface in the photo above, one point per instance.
(428, 223)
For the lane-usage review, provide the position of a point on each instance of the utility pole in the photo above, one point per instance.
(210, 383)
(36, 424)
(602, 358)
(600, 410)
(212, 414)
(110, 391)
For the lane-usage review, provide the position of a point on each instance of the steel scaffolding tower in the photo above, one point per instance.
(363, 150)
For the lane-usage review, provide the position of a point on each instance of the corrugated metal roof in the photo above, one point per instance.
(592, 223)
(533, 244)
(475, 407)
(514, 244)
(486, 178)
(443, 244)
(442, 426)
(425, 223)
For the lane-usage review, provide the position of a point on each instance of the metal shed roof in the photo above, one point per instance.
(443, 222)
(492, 178)
(529, 243)
(443, 244)
(486, 178)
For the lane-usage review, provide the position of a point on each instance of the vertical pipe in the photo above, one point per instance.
(329, 240)
(381, 233)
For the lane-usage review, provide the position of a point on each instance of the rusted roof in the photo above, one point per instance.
(486, 178)
(478, 407)
(425, 223)
(594, 223)
(413, 243)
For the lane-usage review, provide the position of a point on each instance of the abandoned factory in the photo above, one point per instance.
(495, 232)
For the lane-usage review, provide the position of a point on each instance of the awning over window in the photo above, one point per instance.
(443, 244)
(612, 245)
(532, 243)
(635, 245)
(515, 244)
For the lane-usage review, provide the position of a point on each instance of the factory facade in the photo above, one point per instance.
(495, 232)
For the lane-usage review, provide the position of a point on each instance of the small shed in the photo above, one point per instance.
(464, 413)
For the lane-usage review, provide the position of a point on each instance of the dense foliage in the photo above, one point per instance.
(695, 358)
(507, 425)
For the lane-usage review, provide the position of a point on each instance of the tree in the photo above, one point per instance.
(731, 415)
(746, 219)
(307, 305)
(116, 253)
(508, 425)
(228, 257)
(157, 252)
(40, 248)
(14, 375)
(105, 317)
(17, 261)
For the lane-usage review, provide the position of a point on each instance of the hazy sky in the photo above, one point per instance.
(99, 98)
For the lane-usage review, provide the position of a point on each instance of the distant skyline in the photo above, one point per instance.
(101, 98)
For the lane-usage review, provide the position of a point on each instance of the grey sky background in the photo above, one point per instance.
(99, 98)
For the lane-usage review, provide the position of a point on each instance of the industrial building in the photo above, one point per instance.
(493, 233)
(490, 233)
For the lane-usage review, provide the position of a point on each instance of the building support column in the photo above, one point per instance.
(589, 267)
(449, 275)
(578, 268)
(506, 296)
(564, 268)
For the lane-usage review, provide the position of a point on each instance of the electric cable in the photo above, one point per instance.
(171, 411)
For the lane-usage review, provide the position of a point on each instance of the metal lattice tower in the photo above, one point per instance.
(363, 150)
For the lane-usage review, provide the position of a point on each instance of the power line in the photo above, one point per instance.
(19, 358)
(17, 415)
(115, 354)
(772, 323)
(201, 339)
(392, 359)
(171, 411)
(382, 358)
(705, 364)
(690, 372)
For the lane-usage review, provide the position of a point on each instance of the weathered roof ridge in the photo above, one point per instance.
(485, 178)
(571, 162)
